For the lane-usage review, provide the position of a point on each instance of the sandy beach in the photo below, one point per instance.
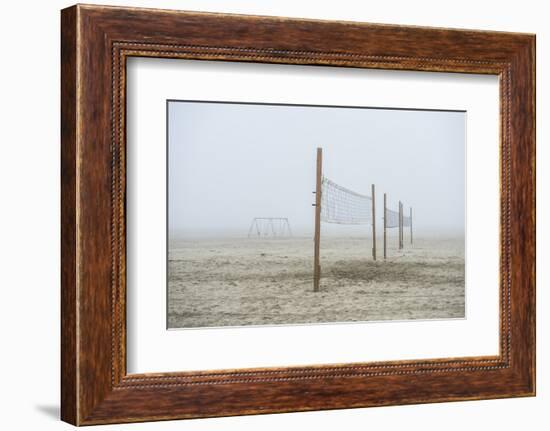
(242, 281)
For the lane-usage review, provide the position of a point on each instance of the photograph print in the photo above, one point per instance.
(304, 214)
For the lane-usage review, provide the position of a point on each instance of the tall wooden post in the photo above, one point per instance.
(317, 235)
(385, 224)
(411, 222)
(373, 222)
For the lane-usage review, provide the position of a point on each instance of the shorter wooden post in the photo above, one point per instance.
(385, 224)
(373, 222)
(411, 222)
(400, 225)
(317, 235)
(403, 225)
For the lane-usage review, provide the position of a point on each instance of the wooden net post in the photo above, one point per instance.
(411, 222)
(373, 223)
(317, 235)
(385, 224)
(400, 225)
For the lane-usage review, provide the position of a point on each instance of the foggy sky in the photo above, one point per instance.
(229, 163)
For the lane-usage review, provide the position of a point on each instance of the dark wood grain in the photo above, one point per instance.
(69, 398)
(96, 41)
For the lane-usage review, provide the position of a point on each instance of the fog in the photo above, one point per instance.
(229, 163)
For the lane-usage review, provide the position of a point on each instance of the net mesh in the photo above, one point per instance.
(392, 218)
(406, 221)
(343, 206)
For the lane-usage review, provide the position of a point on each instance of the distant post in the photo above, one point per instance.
(411, 222)
(400, 225)
(373, 222)
(317, 235)
(385, 224)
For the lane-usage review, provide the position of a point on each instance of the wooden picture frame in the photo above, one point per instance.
(95, 43)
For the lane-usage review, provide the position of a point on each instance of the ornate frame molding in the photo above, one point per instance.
(96, 41)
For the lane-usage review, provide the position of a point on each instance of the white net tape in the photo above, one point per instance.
(344, 206)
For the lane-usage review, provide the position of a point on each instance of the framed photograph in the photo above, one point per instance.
(265, 214)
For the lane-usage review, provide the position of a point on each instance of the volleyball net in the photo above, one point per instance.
(392, 218)
(340, 205)
(407, 221)
(344, 206)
